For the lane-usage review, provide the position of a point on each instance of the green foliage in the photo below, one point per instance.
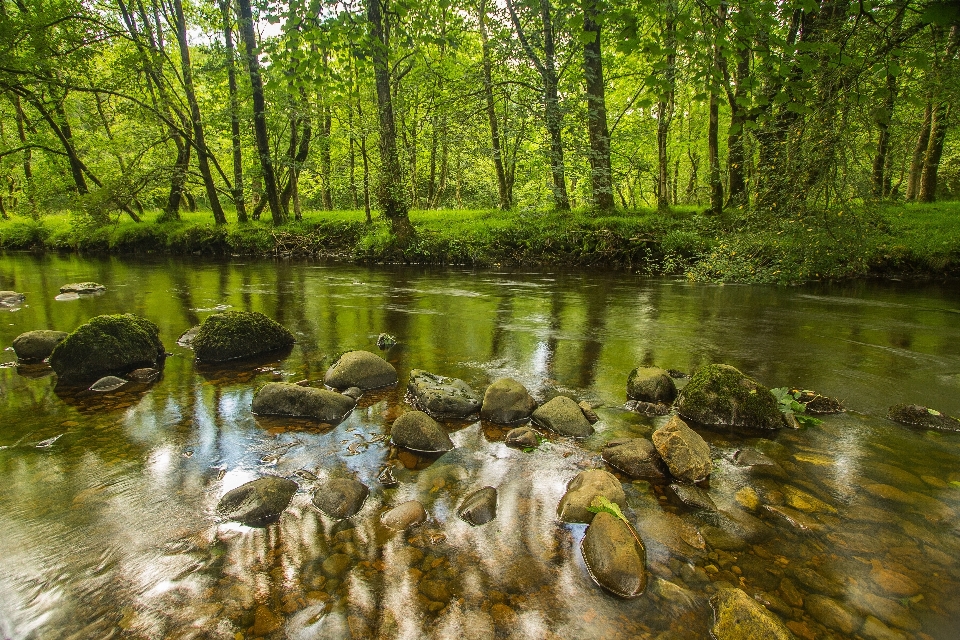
(789, 405)
(602, 504)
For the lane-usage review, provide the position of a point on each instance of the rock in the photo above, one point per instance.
(615, 557)
(747, 498)
(353, 392)
(588, 412)
(386, 477)
(889, 611)
(233, 335)
(144, 375)
(563, 416)
(336, 565)
(340, 498)
(107, 383)
(919, 416)
(804, 501)
(360, 369)
(385, 341)
(737, 616)
(720, 538)
(719, 394)
(257, 503)
(417, 431)
(694, 496)
(794, 518)
(651, 384)
(636, 457)
(110, 344)
(11, 298)
(522, 438)
(832, 614)
(506, 401)
(186, 338)
(893, 582)
(817, 583)
(442, 397)
(82, 287)
(265, 621)
(581, 491)
(480, 507)
(686, 454)
(816, 404)
(873, 629)
(35, 346)
(648, 408)
(404, 516)
(758, 463)
(288, 399)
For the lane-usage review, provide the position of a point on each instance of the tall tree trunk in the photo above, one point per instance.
(600, 173)
(326, 170)
(502, 190)
(64, 132)
(27, 155)
(665, 107)
(234, 113)
(919, 152)
(931, 160)
(881, 160)
(352, 156)
(713, 145)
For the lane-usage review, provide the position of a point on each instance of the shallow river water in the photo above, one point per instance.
(107, 502)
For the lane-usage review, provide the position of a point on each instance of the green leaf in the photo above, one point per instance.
(602, 504)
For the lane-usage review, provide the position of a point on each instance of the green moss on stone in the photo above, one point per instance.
(231, 335)
(109, 344)
(719, 394)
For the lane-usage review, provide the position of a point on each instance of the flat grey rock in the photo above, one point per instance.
(257, 503)
(442, 397)
(288, 399)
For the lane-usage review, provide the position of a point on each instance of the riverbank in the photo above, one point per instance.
(889, 240)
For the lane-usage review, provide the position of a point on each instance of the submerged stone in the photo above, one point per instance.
(442, 397)
(109, 344)
(288, 399)
(588, 412)
(719, 394)
(686, 454)
(144, 375)
(758, 463)
(11, 298)
(737, 616)
(35, 346)
(417, 431)
(386, 477)
(694, 496)
(582, 490)
(636, 457)
(480, 507)
(404, 516)
(107, 383)
(234, 335)
(82, 287)
(507, 401)
(614, 556)
(340, 498)
(564, 416)
(522, 438)
(651, 384)
(360, 369)
(257, 503)
(832, 614)
(917, 415)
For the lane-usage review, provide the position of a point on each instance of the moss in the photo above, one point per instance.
(719, 394)
(231, 335)
(109, 344)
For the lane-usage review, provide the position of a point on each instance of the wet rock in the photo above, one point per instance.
(893, 582)
(442, 397)
(257, 503)
(917, 415)
(480, 507)
(144, 375)
(288, 399)
(186, 338)
(740, 617)
(817, 404)
(648, 408)
(803, 501)
(581, 491)
(873, 629)
(888, 492)
(719, 394)
(694, 496)
(651, 384)
(353, 392)
(506, 401)
(11, 298)
(340, 498)
(588, 412)
(404, 516)
(817, 583)
(107, 383)
(893, 475)
(721, 538)
(109, 344)
(686, 454)
(417, 431)
(35, 346)
(360, 369)
(83, 287)
(758, 463)
(794, 518)
(522, 438)
(636, 457)
(234, 335)
(615, 557)
(265, 621)
(562, 415)
(386, 477)
(434, 590)
(832, 614)
(747, 498)
(385, 341)
(889, 611)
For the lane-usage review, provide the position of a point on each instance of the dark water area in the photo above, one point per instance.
(107, 501)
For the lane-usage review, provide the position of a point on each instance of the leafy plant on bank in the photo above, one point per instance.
(789, 403)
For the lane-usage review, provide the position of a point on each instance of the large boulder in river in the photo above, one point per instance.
(442, 397)
(651, 384)
(34, 346)
(636, 457)
(288, 399)
(360, 369)
(615, 557)
(417, 431)
(257, 503)
(506, 401)
(686, 453)
(564, 416)
(919, 416)
(340, 498)
(582, 490)
(719, 394)
(737, 616)
(110, 344)
(233, 335)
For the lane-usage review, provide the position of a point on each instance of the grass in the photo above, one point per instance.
(894, 239)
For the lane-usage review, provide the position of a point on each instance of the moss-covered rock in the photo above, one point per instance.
(737, 616)
(110, 344)
(719, 394)
(232, 335)
(651, 384)
(919, 416)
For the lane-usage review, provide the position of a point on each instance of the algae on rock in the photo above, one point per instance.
(719, 394)
(108, 344)
(231, 335)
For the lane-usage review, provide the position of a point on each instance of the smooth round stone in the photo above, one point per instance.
(289, 399)
(582, 490)
(506, 401)
(417, 431)
(832, 614)
(522, 438)
(404, 516)
(615, 558)
(360, 369)
(34, 346)
(235, 335)
(758, 463)
(651, 384)
(480, 507)
(257, 503)
(636, 457)
(694, 496)
(340, 498)
(564, 416)
(687, 454)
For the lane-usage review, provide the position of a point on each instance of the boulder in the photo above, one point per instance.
(340, 498)
(693, 496)
(522, 438)
(110, 344)
(360, 369)
(404, 516)
(417, 431)
(35, 346)
(82, 287)
(686, 454)
(719, 394)
(480, 507)
(234, 335)
(737, 616)
(582, 490)
(564, 416)
(442, 397)
(506, 401)
(636, 457)
(651, 384)
(615, 557)
(917, 415)
(257, 503)
(288, 399)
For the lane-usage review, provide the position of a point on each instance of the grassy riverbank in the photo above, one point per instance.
(888, 240)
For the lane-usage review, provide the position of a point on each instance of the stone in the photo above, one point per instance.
(614, 556)
(144, 375)
(11, 298)
(265, 621)
(887, 610)
(506, 401)
(35, 346)
(803, 501)
(522, 438)
(832, 614)
(686, 454)
(758, 463)
(747, 498)
(107, 345)
(417, 431)
(340, 498)
(648, 408)
(873, 629)
(259, 502)
(289, 399)
(107, 383)
(386, 341)
(336, 565)
(564, 416)
(588, 412)
(386, 477)
(353, 392)
(82, 287)
(404, 516)
(817, 404)
(737, 616)
(582, 490)
(651, 384)
(719, 394)
(360, 369)
(442, 397)
(636, 457)
(794, 518)
(917, 415)
(234, 335)
(817, 583)
(893, 582)
(694, 496)
(480, 507)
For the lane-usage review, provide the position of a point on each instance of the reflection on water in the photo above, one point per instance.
(107, 507)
